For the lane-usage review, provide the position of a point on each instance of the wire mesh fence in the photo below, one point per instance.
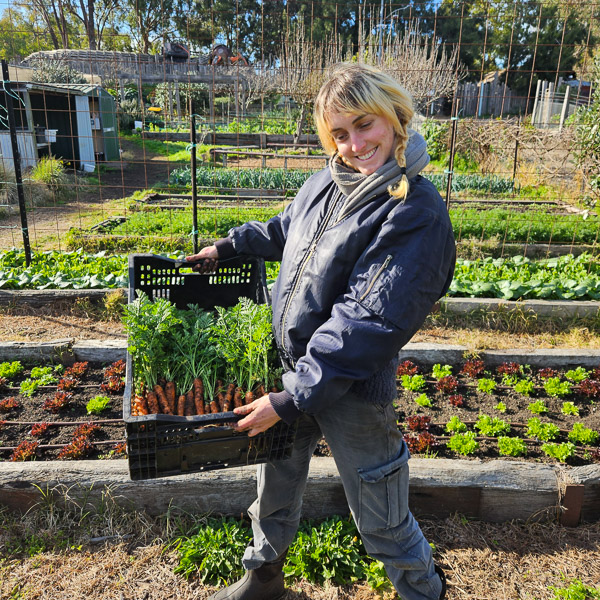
(97, 107)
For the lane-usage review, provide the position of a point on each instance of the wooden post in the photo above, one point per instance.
(177, 100)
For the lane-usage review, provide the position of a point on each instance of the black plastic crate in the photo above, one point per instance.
(165, 445)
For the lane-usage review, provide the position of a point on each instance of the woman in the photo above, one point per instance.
(366, 249)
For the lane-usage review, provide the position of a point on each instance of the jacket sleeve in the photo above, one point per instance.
(268, 239)
(392, 289)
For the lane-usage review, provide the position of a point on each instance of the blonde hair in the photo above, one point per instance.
(356, 88)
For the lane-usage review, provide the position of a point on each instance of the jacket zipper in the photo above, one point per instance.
(381, 269)
(303, 264)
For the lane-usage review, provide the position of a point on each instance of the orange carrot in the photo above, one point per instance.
(238, 398)
(162, 400)
(199, 395)
(249, 397)
(140, 406)
(170, 394)
(214, 406)
(189, 404)
(181, 405)
(259, 390)
(153, 408)
(228, 397)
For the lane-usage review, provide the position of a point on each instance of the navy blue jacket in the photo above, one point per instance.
(352, 291)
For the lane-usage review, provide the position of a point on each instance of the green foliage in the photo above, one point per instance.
(9, 370)
(538, 407)
(440, 371)
(568, 408)
(580, 434)
(464, 443)
(524, 387)
(196, 93)
(564, 278)
(556, 388)
(423, 400)
(500, 407)
(544, 432)
(62, 270)
(491, 426)
(267, 179)
(376, 576)
(329, 551)
(562, 452)
(215, 551)
(55, 71)
(272, 126)
(473, 182)
(576, 590)
(436, 135)
(39, 376)
(455, 425)
(414, 383)
(97, 405)
(51, 172)
(511, 446)
(577, 375)
(486, 385)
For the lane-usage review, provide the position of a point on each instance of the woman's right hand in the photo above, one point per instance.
(206, 261)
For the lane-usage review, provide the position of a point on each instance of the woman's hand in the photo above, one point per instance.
(260, 416)
(206, 260)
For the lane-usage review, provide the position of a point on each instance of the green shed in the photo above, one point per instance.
(75, 122)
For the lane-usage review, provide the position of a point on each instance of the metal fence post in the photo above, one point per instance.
(16, 160)
(194, 185)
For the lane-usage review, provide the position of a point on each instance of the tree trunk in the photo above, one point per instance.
(300, 125)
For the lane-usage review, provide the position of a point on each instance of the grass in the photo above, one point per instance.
(77, 544)
(173, 151)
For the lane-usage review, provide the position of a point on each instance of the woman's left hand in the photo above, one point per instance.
(260, 416)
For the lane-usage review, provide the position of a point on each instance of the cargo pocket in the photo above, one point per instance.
(383, 494)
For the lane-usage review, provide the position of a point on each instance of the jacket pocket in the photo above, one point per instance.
(383, 494)
(375, 277)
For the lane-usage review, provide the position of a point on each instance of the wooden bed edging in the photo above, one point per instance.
(494, 491)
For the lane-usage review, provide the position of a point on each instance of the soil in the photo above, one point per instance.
(47, 225)
(108, 440)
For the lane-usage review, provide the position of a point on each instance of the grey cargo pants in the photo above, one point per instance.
(371, 458)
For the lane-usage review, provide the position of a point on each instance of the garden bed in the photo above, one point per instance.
(510, 412)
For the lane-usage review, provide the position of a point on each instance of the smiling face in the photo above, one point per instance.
(365, 141)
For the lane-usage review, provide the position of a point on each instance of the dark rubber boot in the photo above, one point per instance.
(264, 583)
(442, 577)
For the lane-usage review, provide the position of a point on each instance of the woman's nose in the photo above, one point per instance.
(358, 143)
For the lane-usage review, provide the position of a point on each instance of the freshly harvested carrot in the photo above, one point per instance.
(238, 397)
(170, 394)
(162, 400)
(259, 391)
(189, 404)
(214, 406)
(220, 398)
(249, 398)
(199, 395)
(181, 405)
(140, 406)
(228, 397)
(152, 400)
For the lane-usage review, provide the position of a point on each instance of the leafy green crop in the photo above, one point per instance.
(556, 388)
(486, 385)
(9, 370)
(97, 405)
(438, 371)
(414, 383)
(577, 375)
(511, 446)
(542, 431)
(463, 443)
(62, 270)
(562, 452)
(424, 401)
(580, 434)
(491, 426)
(576, 590)
(569, 408)
(524, 387)
(564, 278)
(455, 425)
(39, 376)
(538, 407)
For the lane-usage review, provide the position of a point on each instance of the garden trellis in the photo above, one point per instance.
(506, 96)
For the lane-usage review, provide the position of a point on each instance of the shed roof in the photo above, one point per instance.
(77, 89)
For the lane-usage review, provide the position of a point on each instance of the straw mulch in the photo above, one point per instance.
(482, 560)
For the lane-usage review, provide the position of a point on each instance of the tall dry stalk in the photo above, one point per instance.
(420, 63)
